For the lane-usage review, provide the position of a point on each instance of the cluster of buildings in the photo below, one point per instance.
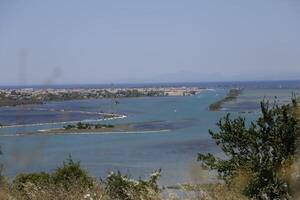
(85, 93)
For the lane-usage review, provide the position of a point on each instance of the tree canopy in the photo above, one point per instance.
(264, 152)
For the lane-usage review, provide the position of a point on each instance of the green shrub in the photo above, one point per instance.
(122, 187)
(69, 126)
(71, 173)
(1, 165)
(262, 152)
(19, 183)
(80, 125)
(64, 178)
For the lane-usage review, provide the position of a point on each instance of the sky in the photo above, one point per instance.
(117, 41)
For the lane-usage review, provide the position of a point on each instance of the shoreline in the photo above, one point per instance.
(65, 122)
(90, 129)
(232, 95)
(86, 133)
(32, 96)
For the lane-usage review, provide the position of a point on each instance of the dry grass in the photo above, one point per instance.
(203, 192)
(49, 192)
(298, 111)
(216, 191)
(290, 173)
(222, 192)
(4, 194)
(76, 192)
(204, 185)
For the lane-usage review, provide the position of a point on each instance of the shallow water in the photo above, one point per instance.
(250, 98)
(174, 151)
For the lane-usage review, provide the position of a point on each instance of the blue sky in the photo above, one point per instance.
(76, 41)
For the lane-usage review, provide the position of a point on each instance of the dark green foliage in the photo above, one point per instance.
(66, 176)
(98, 126)
(118, 186)
(71, 173)
(41, 178)
(122, 187)
(68, 127)
(104, 126)
(81, 125)
(261, 149)
(108, 126)
(2, 178)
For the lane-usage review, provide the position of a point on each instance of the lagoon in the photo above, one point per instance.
(138, 154)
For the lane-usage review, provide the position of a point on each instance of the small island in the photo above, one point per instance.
(81, 127)
(94, 128)
(232, 95)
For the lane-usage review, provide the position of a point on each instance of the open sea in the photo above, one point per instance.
(186, 119)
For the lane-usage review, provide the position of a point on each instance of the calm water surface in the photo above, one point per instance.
(138, 154)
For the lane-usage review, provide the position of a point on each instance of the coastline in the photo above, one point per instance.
(117, 116)
(31, 96)
(49, 132)
(232, 95)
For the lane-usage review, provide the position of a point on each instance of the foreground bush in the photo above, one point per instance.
(69, 173)
(71, 182)
(20, 182)
(261, 157)
(66, 180)
(53, 192)
(122, 187)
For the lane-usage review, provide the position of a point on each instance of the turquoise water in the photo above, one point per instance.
(138, 154)
(250, 98)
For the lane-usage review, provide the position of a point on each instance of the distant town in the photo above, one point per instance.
(14, 97)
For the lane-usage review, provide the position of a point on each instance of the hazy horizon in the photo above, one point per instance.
(104, 42)
(231, 83)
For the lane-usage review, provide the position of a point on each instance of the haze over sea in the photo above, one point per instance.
(186, 119)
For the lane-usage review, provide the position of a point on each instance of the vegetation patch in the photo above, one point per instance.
(122, 187)
(232, 95)
(261, 157)
(82, 126)
(71, 182)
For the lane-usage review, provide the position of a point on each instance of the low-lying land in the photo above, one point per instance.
(13, 97)
(97, 128)
(16, 102)
(103, 116)
(84, 126)
(88, 128)
(232, 95)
